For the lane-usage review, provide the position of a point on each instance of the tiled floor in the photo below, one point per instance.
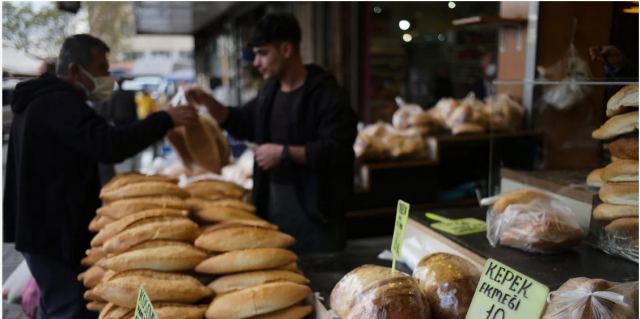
(10, 260)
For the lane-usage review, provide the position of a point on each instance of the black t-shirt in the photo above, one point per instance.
(281, 128)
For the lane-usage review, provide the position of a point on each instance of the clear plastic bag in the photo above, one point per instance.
(623, 244)
(541, 225)
(584, 298)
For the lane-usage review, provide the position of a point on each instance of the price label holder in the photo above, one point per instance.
(457, 227)
(144, 308)
(402, 213)
(504, 293)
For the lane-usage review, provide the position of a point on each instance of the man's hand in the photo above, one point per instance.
(183, 115)
(197, 96)
(607, 54)
(268, 155)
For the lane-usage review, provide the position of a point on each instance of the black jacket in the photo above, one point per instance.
(120, 109)
(51, 187)
(325, 124)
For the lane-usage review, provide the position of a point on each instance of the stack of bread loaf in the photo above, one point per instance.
(468, 115)
(201, 147)
(531, 220)
(618, 181)
(256, 275)
(145, 238)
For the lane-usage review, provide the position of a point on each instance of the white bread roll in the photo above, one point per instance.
(161, 255)
(222, 214)
(121, 224)
(621, 171)
(204, 188)
(247, 260)
(144, 189)
(122, 288)
(229, 283)
(627, 97)
(170, 228)
(617, 125)
(619, 193)
(257, 300)
(237, 238)
(98, 222)
(623, 227)
(196, 203)
(293, 312)
(520, 196)
(610, 212)
(126, 207)
(236, 223)
(595, 177)
(132, 178)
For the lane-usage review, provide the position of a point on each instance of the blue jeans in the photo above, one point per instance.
(61, 294)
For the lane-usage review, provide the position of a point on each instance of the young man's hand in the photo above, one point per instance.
(196, 96)
(268, 155)
(183, 115)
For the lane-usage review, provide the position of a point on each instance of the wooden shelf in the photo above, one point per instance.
(489, 22)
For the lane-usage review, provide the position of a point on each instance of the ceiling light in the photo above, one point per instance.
(451, 4)
(407, 37)
(404, 25)
(377, 10)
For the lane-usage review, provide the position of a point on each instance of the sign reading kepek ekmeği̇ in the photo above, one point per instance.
(504, 293)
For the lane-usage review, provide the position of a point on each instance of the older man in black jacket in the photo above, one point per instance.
(303, 174)
(51, 187)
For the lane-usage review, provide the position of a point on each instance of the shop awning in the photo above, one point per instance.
(176, 17)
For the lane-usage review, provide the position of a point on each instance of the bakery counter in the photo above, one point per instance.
(325, 270)
(551, 269)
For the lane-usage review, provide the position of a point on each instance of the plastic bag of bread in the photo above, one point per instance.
(532, 221)
(584, 298)
(375, 292)
(400, 119)
(620, 237)
(448, 282)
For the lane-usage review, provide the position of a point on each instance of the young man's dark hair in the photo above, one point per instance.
(274, 28)
(77, 49)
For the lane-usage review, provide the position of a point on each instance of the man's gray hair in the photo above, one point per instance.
(76, 49)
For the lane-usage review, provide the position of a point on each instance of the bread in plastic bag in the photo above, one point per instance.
(584, 298)
(375, 292)
(381, 141)
(448, 282)
(620, 238)
(532, 221)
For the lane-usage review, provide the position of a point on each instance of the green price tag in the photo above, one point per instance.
(504, 293)
(402, 212)
(458, 227)
(144, 308)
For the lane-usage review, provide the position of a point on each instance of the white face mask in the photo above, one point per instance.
(490, 70)
(102, 86)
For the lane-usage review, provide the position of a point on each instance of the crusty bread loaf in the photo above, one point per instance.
(448, 282)
(237, 223)
(595, 177)
(626, 227)
(132, 178)
(625, 98)
(165, 310)
(610, 211)
(98, 222)
(621, 171)
(257, 300)
(375, 292)
(122, 288)
(170, 228)
(144, 189)
(126, 207)
(96, 306)
(121, 224)
(207, 146)
(616, 126)
(161, 255)
(93, 256)
(243, 237)
(619, 193)
(221, 214)
(247, 260)
(177, 139)
(196, 204)
(92, 276)
(520, 196)
(112, 311)
(293, 312)
(229, 283)
(204, 188)
(624, 147)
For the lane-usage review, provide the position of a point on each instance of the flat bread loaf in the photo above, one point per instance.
(229, 283)
(625, 98)
(619, 193)
(144, 189)
(126, 207)
(247, 260)
(616, 126)
(161, 255)
(170, 228)
(243, 237)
